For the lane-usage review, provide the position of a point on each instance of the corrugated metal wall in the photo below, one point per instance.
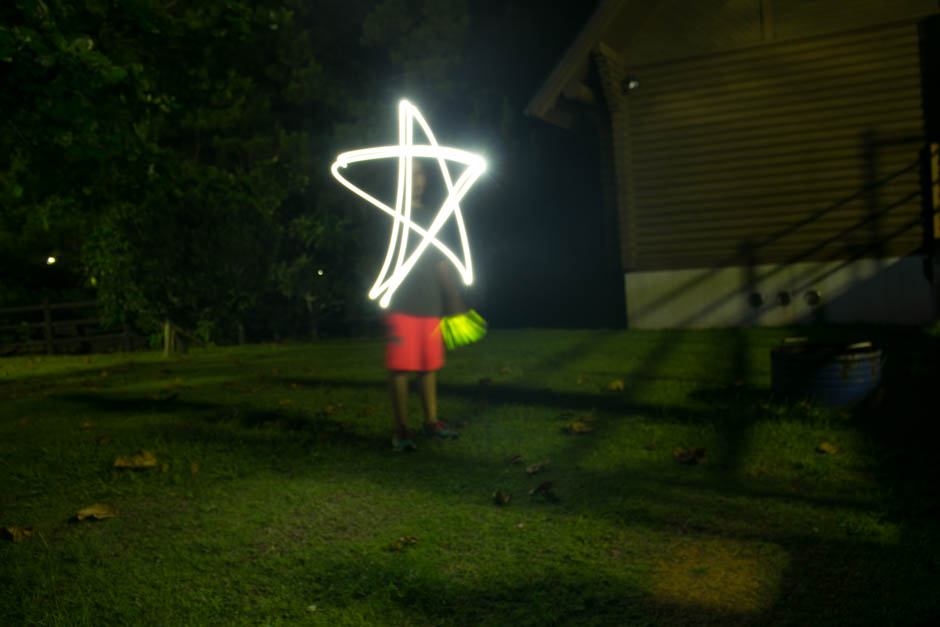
(791, 151)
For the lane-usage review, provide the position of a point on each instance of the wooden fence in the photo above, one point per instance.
(175, 339)
(20, 325)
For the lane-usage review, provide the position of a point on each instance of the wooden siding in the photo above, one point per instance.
(803, 18)
(804, 150)
(670, 29)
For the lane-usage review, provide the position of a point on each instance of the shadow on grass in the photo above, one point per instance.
(573, 595)
(851, 576)
(676, 590)
(317, 427)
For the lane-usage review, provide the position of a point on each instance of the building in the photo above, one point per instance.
(768, 161)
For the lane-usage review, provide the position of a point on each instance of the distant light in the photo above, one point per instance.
(320, 272)
(50, 261)
(630, 83)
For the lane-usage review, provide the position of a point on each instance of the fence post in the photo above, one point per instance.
(47, 326)
(167, 337)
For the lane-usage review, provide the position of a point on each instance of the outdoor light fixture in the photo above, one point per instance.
(50, 260)
(406, 150)
(629, 83)
(320, 272)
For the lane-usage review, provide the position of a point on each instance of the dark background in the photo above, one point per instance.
(175, 160)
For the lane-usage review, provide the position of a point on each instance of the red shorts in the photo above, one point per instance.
(414, 343)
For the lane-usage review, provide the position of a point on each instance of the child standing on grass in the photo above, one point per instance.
(413, 333)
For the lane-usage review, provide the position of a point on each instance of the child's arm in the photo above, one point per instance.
(460, 324)
(453, 301)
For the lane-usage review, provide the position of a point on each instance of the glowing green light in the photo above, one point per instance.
(462, 329)
(50, 261)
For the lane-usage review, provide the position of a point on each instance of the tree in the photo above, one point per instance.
(168, 146)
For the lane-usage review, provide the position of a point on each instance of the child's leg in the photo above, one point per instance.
(398, 390)
(427, 385)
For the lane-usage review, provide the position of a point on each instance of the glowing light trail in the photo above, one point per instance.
(406, 151)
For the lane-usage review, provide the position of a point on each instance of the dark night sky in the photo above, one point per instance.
(548, 266)
(535, 218)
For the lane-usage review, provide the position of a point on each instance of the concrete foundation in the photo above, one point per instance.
(890, 290)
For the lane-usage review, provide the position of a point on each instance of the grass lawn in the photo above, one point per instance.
(276, 497)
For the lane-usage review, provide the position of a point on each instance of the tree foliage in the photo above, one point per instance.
(174, 155)
(166, 147)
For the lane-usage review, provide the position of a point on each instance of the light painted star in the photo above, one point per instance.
(392, 275)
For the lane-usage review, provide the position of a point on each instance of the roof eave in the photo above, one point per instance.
(569, 73)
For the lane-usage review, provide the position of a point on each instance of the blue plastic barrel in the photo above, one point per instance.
(835, 375)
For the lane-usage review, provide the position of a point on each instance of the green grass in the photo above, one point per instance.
(277, 498)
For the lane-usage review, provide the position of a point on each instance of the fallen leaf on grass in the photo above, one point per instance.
(501, 498)
(144, 459)
(194, 467)
(98, 511)
(545, 486)
(16, 533)
(514, 459)
(615, 386)
(404, 541)
(505, 370)
(826, 448)
(368, 411)
(535, 468)
(88, 425)
(690, 456)
(583, 379)
(544, 489)
(165, 399)
(164, 467)
(576, 427)
(757, 470)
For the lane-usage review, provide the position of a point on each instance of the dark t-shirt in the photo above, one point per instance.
(430, 289)
(421, 293)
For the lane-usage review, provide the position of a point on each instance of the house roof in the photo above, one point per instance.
(643, 32)
(568, 76)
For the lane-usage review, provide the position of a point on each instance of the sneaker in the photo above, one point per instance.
(440, 431)
(403, 441)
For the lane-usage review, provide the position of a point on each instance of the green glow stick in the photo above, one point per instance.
(462, 329)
